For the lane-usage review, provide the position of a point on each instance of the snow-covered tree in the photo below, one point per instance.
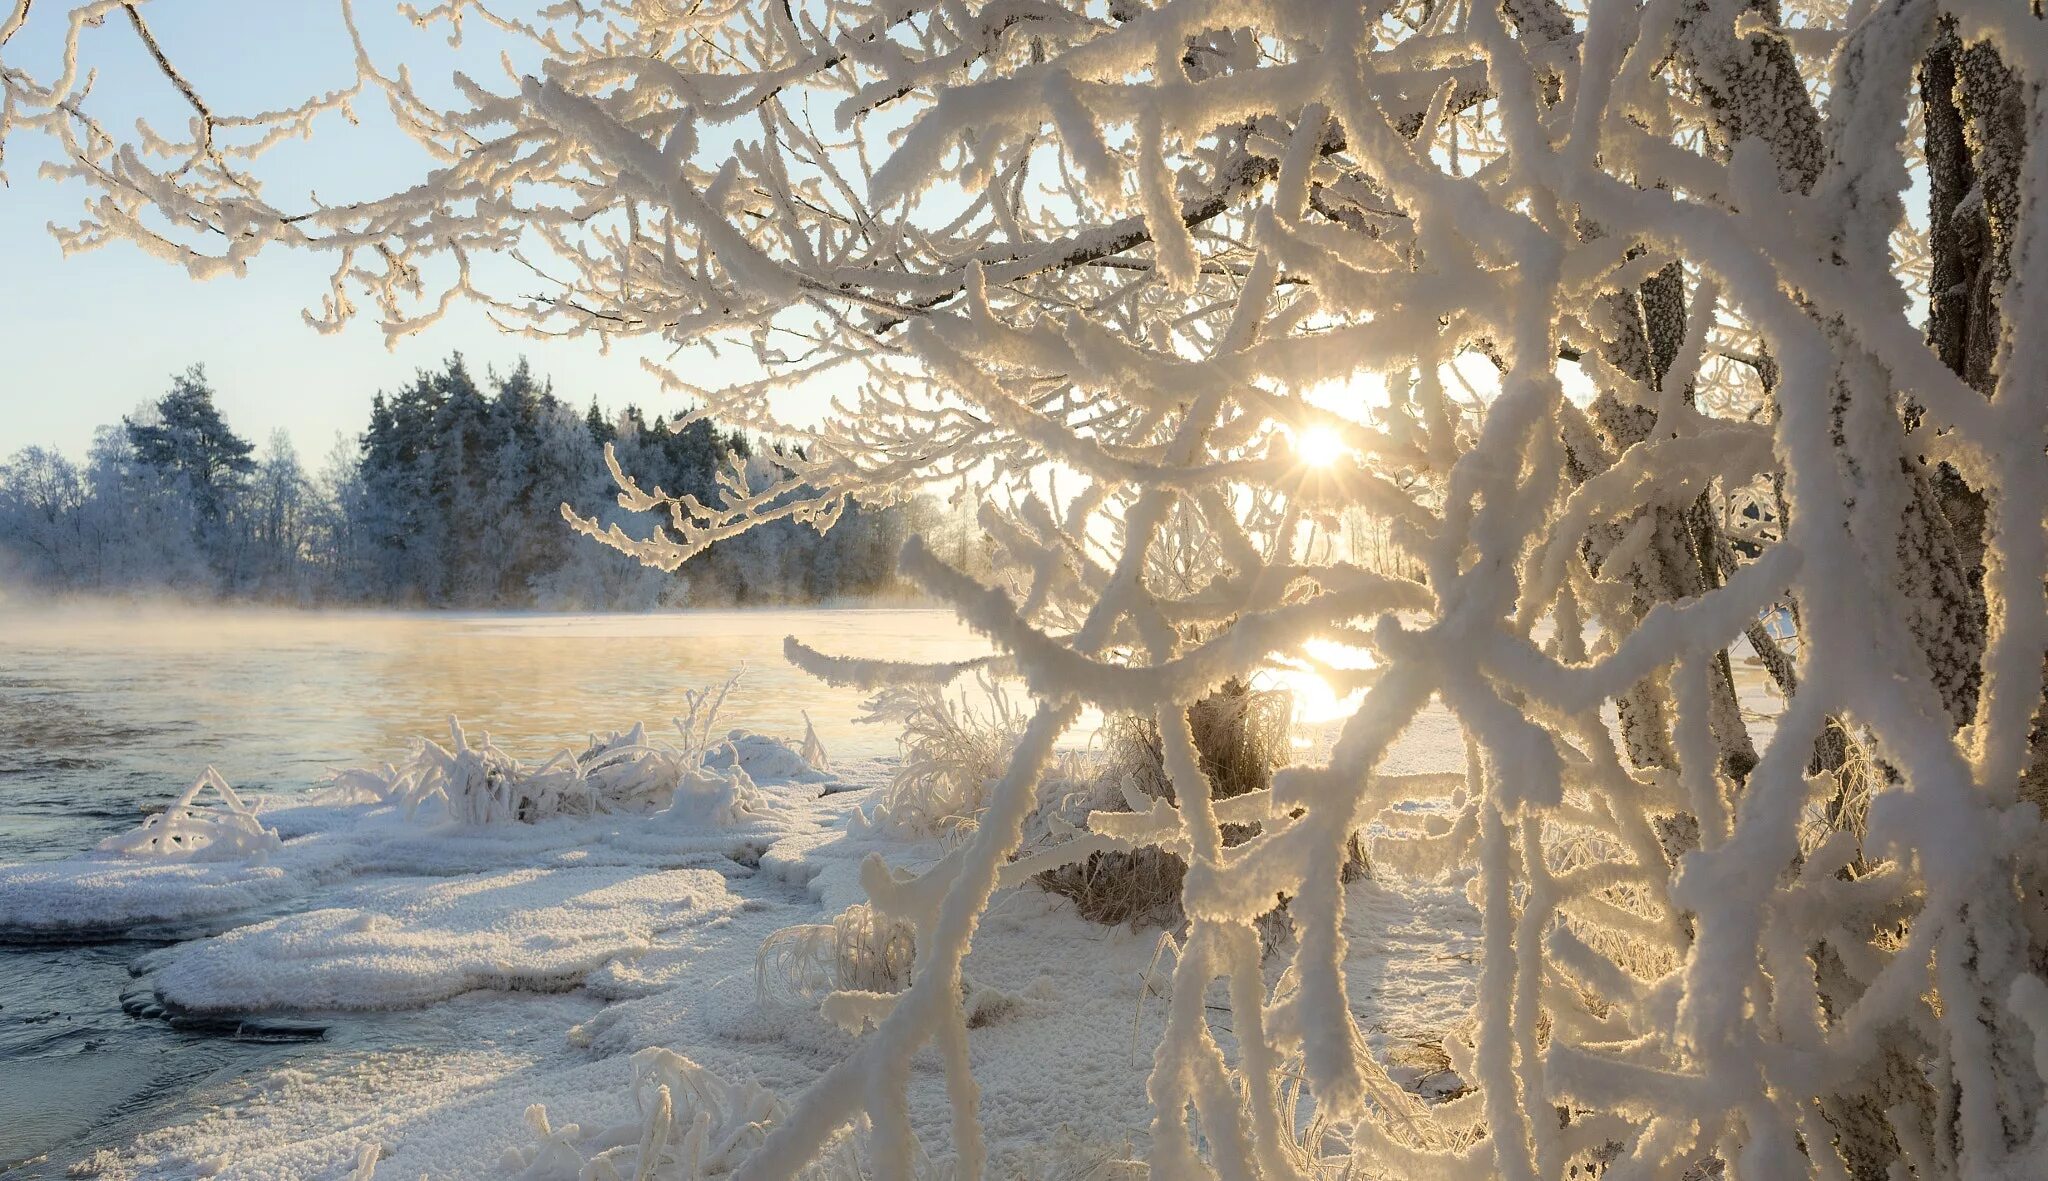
(183, 437)
(41, 496)
(140, 525)
(445, 468)
(286, 527)
(1174, 284)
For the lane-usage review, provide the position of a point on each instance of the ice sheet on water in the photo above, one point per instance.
(399, 943)
(97, 896)
(89, 897)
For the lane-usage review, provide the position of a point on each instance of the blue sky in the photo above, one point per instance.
(85, 339)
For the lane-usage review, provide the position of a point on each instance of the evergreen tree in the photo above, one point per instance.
(186, 435)
(601, 429)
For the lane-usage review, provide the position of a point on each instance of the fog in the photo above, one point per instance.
(106, 706)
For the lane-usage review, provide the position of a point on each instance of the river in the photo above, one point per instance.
(107, 710)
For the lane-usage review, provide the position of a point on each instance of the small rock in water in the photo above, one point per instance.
(267, 1030)
(248, 1029)
(203, 1023)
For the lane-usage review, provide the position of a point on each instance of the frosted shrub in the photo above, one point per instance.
(192, 829)
(952, 748)
(1561, 293)
(478, 783)
(481, 784)
(629, 773)
(696, 781)
(860, 950)
(796, 966)
(871, 952)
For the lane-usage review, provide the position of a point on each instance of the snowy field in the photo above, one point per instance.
(557, 924)
(105, 713)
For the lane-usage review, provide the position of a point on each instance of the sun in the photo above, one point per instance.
(1319, 446)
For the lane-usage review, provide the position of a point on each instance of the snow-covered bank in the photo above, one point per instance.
(562, 956)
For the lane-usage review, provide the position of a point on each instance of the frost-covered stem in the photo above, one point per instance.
(1037, 253)
(872, 1078)
(1507, 1108)
(1189, 1068)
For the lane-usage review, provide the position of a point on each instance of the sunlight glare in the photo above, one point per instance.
(1316, 701)
(1320, 446)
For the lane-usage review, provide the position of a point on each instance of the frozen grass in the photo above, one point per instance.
(697, 776)
(692, 1125)
(225, 829)
(954, 747)
(860, 950)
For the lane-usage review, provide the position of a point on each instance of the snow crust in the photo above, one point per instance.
(1066, 1010)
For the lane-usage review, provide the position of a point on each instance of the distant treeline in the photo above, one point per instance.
(450, 498)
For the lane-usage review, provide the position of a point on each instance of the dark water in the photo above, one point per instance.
(104, 712)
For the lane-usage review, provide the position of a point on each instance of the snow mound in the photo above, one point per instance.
(406, 942)
(708, 799)
(86, 897)
(192, 864)
(478, 782)
(766, 758)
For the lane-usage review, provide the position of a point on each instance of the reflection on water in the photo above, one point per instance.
(102, 710)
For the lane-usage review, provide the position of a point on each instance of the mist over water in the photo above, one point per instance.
(108, 709)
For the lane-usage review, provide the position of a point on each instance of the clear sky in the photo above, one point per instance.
(85, 339)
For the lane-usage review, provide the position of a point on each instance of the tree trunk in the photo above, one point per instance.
(1751, 88)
